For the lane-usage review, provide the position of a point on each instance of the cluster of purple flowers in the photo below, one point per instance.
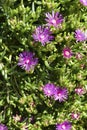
(43, 34)
(28, 61)
(58, 93)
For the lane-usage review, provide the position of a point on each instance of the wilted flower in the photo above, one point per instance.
(24, 127)
(17, 118)
(66, 125)
(80, 36)
(80, 91)
(32, 120)
(67, 53)
(78, 56)
(54, 19)
(49, 89)
(27, 61)
(3, 127)
(75, 115)
(43, 35)
(61, 94)
(84, 2)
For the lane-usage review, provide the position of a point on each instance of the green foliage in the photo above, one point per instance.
(21, 92)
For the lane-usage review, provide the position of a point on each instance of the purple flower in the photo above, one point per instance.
(80, 36)
(79, 91)
(54, 19)
(27, 61)
(49, 89)
(67, 53)
(84, 2)
(43, 35)
(61, 94)
(66, 125)
(3, 127)
(75, 115)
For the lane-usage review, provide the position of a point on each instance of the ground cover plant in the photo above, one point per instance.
(43, 65)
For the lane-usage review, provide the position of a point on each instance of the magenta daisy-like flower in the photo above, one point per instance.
(84, 2)
(54, 19)
(3, 127)
(43, 35)
(75, 115)
(79, 91)
(66, 125)
(67, 53)
(80, 35)
(27, 61)
(49, 89)
(61, 94)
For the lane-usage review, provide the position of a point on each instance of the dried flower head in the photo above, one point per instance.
(54, 19)
(43, 35)
(78, 56)
(17, 118)
(67, 53)
(27, 61)
(80, 91)
(66, 125)
(75, 115)
(61, 94)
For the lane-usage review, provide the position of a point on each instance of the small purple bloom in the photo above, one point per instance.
(54, 19)
(49, 89)
(27, 61)
(61, 94)
(3, 127)
(75, 115)
(67, 53)
(80, 35)
(79, 91)
(84, 2)
(43, 35)
(66, 125)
